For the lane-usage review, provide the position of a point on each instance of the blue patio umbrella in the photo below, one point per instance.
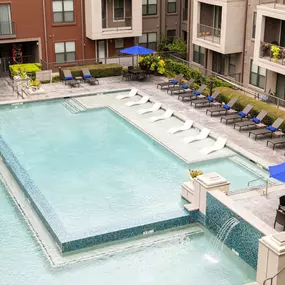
(278, 172)
(137, 50)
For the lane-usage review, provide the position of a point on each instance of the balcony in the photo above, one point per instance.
(217, 25)
(208, 33)
(116, 24)
(270, 38)
(7, 30)
(106, 20)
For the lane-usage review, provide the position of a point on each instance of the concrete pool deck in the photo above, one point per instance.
(257, 148)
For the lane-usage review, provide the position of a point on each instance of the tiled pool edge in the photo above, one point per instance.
(56, 228)
(245, 236)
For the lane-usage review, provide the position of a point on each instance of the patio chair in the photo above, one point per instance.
(143, 100)
(251, 122)
(267, 130)
(275, 142)
(224, 109)
(155, 107)
(132, 93)
(280, 219)
(238, 116)
(186, 126)
(183, 87)
(172, 82)
(192, 95)
(206, 101)
(126, 75)
(201, 136)
(168, 113)
(69, 79)
(281, 202)
(87, 77)
(218, 145)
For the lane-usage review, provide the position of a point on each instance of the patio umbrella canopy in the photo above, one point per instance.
(278, 172)
(137, 50)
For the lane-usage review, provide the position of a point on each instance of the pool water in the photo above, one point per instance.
(178, 261)
(97, 170)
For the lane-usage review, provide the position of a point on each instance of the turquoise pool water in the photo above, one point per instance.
(181, 261)
(98, 171)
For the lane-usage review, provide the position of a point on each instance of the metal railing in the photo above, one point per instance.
(256, 94)
(208, 33)
(185, 15)
(274, 2)
(119, 23)
(272, 278)
(7, 29)
(125, 61)
(267, 51)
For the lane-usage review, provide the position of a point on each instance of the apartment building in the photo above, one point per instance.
(59, 31)
(234, 38)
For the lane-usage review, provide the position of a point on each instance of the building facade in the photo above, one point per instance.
(58, 31)
(230, 37)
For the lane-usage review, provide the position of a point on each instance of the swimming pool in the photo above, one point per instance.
(177, 260)
(97, 171)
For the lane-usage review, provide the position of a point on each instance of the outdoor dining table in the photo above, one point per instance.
(136, 72)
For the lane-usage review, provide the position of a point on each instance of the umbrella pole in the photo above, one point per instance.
(266, 189)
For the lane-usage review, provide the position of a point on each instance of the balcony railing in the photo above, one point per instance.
(208, 33)
(185, 15)
(116, 24)
(7, 29)
(272, 53)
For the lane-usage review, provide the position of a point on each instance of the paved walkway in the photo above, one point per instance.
(261, 206)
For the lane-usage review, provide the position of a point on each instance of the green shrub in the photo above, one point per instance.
(177, 68)
(152, 63)
(29, 68)
(273, 113)
(97, 70)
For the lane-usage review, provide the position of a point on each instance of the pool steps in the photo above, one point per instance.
(73, 106)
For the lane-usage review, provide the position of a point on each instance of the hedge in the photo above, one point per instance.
(172, 67)
(29, 68)
(273, 113)
(97, 70)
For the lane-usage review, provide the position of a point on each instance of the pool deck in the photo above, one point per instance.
(261, 206)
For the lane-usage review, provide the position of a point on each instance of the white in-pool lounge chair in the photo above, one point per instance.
(201, 136)
(219, 144)
(186, 126)
(168, 113)
(143, 100)
(132, 93)
(154, 108)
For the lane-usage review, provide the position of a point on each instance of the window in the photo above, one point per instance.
(171, 34)
(149, 7)
(232, 63)
(171, 6)
(5, 19)
(119, 9)
(185, 10)
(253, 25)
(199, 54)
(63, 11)
(148, 40)
(119, 44)
(257, 75)
(64, 52)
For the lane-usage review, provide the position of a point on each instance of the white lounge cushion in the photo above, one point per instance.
(201, 136)
(143, 100)
(154, 108)
(186, 126)
(132, 93)
(168, 113)
(219, 144)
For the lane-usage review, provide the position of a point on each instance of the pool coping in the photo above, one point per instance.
(62, 237)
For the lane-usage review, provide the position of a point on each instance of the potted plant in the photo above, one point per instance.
(194, 173)
(275, 52)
